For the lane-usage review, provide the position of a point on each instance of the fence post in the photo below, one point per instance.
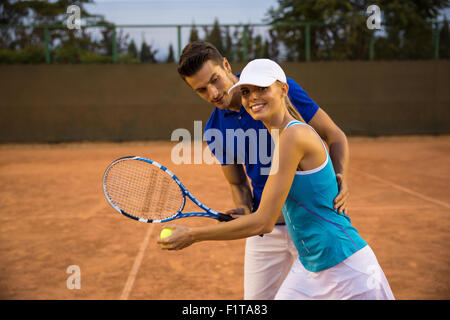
(372, 46)
(114, 45)
(436, 40)
(245, 43)
(179, 41)
(47, 45)
(308, 42)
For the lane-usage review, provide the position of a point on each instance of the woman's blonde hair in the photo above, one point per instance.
(290, 107)
(292, 110)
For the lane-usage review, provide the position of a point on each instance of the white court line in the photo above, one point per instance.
(414, 193)
(390, 208)
(137, 263)
(95, 210)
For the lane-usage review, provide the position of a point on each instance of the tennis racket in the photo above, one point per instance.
(144, 190)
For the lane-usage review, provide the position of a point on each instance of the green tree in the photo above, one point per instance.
(238, 45)
(244, 42)
(215, 36)
(132, 50)
(228, 51)
(67, 46)
(106, 43)
(193, 36)
(444, 40)
(171, 56)
(341, 32)
(258, 47)
(266, 48)
(15, 12)
(341, 35)
(409, 31)
(272, 46)
(147, 53)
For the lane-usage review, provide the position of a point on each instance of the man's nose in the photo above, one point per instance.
(213, 92)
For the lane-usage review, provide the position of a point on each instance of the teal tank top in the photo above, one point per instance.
(323, 237)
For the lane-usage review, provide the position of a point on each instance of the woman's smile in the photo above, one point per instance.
(257, 107)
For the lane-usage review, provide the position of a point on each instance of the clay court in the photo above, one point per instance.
(54, 215)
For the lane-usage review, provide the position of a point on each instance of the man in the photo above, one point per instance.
(267, 259)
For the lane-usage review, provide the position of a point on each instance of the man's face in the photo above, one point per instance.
(212, 83)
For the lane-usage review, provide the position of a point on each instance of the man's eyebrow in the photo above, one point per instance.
(210, 79)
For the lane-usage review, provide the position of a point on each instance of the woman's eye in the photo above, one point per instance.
(244, 92)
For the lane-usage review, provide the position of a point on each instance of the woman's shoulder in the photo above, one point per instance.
(299, 131)
(300, 135)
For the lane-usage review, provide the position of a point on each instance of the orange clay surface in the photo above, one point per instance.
(54, 215)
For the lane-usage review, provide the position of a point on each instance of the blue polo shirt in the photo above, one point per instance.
(237, 138)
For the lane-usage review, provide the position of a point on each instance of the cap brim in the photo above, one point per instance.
(258, 83)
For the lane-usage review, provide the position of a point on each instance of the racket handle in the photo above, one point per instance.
(225, 217)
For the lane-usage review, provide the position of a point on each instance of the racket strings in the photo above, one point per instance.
(143, 190)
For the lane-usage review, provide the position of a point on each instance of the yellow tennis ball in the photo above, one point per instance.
(165, 233)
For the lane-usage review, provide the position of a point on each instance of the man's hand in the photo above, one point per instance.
(236, 213)
(340, 202)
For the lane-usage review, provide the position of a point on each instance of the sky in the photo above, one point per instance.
(124, 12)
(182, 11)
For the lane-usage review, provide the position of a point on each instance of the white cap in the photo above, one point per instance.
(261, 73)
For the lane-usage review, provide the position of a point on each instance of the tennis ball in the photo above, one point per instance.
(165, 233)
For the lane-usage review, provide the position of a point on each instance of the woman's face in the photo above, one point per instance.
(262, 103)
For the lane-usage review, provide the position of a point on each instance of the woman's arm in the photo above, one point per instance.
(288, 153)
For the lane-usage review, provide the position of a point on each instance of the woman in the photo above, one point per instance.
(334, 261)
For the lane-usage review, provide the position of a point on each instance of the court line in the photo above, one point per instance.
(136, 265)
(401, 188)
(390, 207)
(101, 205)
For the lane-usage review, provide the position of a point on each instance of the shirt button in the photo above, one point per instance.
(239, 118)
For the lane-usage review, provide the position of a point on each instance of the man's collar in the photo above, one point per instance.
(228, 113)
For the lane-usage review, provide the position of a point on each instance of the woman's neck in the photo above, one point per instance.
(278, 122)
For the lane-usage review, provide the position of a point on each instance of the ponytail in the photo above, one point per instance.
(290, 107)
(292, 110)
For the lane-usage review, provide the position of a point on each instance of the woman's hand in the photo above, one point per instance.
(179, 239)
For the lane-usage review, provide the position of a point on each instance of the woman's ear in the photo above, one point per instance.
(284, 89)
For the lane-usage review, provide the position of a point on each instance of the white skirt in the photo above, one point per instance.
(359, 277)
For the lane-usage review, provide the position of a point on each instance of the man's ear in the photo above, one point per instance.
(226, 65)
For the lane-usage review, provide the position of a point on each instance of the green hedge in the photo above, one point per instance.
(64, 55)
(29, 55)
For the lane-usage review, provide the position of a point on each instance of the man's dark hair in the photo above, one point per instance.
(194, 55)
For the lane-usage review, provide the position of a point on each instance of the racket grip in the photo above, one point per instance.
(225, 217)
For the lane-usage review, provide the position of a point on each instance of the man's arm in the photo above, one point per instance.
(240, 188)
(339, 153)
